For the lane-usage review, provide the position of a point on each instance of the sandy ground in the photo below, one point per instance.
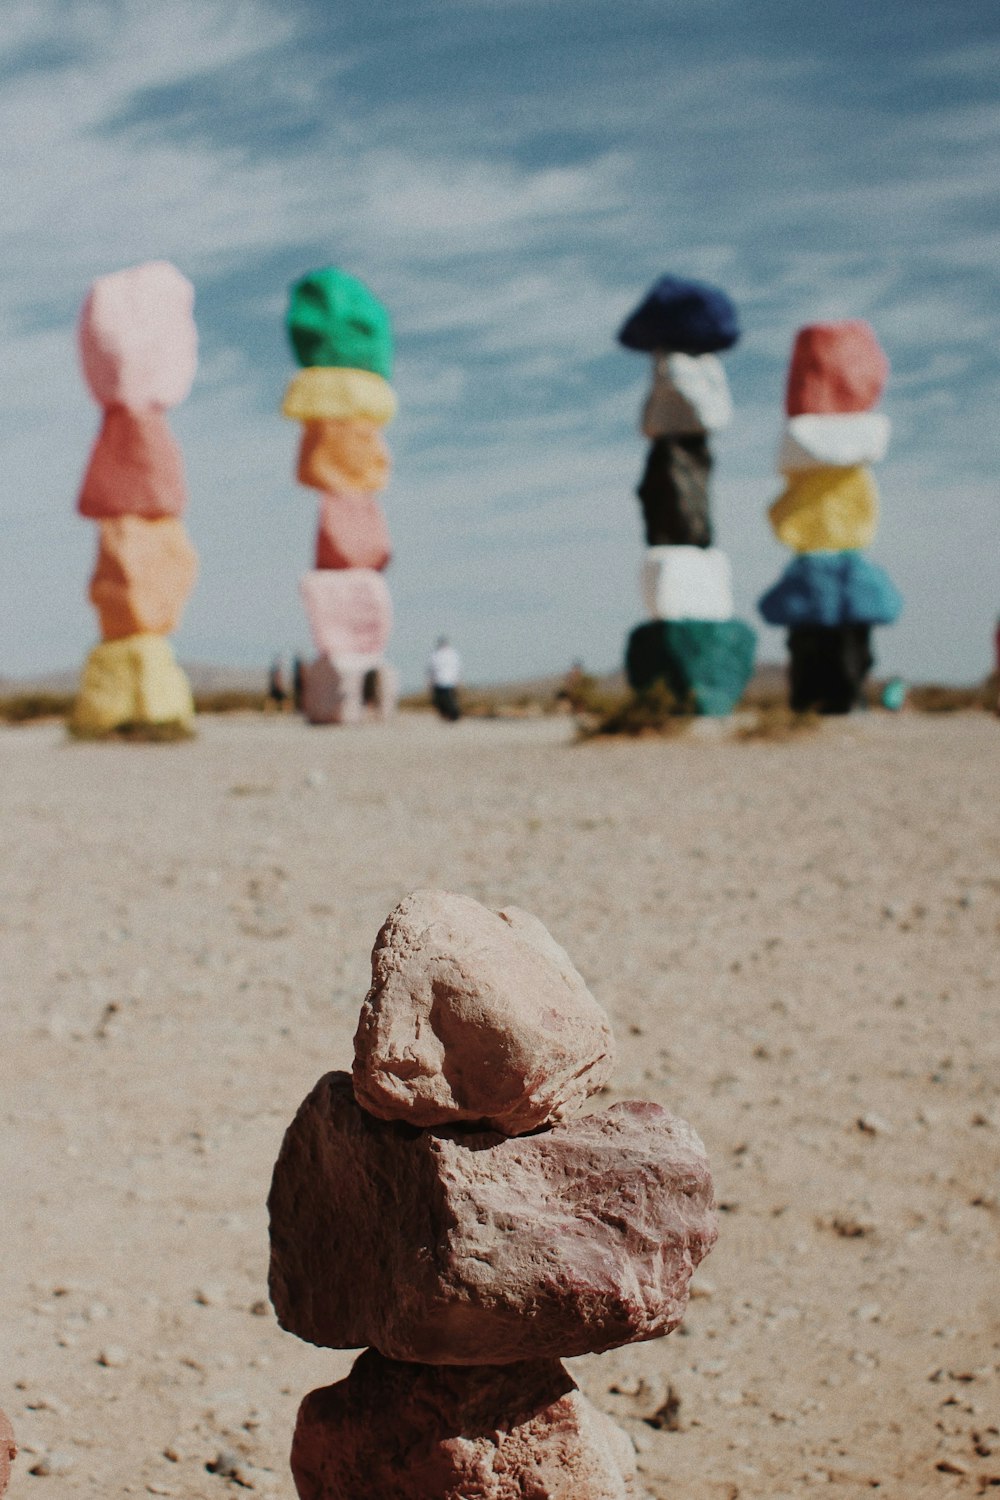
(797, 944)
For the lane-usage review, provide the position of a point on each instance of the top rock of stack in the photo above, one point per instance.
(138, 341)
(476, 1016)
(334, 321)
(835, 368)
(681, 316)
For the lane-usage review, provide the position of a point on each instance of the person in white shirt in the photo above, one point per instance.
(444, 672)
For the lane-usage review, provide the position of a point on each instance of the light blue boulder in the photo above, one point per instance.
(832, 588)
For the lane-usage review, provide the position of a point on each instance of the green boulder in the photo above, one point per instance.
(336, 322)
(706, 664)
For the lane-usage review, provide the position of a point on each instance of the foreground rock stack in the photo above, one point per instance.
(139, 349)
(342, 339)
(8, 1452)
(831, 595)
(691, 641)
(447, 1205)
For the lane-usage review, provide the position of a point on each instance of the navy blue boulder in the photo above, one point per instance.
(682, 317)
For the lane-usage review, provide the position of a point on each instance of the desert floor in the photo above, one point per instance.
(797, 944)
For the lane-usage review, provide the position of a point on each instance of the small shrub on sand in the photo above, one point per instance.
(655, 712)
(775, 723)
(173, 732)
(25, 707)
(937, 698)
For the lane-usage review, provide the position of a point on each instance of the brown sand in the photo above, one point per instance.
(797, 944)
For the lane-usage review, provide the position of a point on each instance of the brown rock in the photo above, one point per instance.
(454, 1246)
(476, 1015)
(520, 1432)
(8, 1451)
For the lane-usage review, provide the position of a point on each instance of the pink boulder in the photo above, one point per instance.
(520, 1432)
(349, 611)
(352, 532)
(476, 1015)
(135, 469)
(836, 367)
(455, 1246)
(8, 1451)
(138, 340)
(333, 693)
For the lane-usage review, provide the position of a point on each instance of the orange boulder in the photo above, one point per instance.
(340, 453)
(145, 572)
(135, 469)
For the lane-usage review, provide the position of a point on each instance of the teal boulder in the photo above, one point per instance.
(706, 664)
(334, 321)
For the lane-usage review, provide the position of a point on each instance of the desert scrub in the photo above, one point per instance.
(171, 732)
(653, 712)
(776, 723)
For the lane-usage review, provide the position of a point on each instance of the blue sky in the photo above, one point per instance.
(509, 176)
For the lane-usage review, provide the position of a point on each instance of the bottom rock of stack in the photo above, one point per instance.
(416, 1432)
(706, 664)
(349, 690)
(828, 667)
(134, 680)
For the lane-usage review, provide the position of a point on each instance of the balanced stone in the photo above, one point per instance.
(687, 583)
(706, 664)
(682, 315)
(131, 681)
(135, 469)
(457, 1246)
(348, 692)
(835, 367)
(349, 611)
(138, 340)
(334, 319)
(352, 532)
(828, 667)
(418, 1433)
(674, 492)
(144, 576)
(346, 453)
(690, 394)
(475, 1015)
(826, 510)
(811, 442)
(830, 589)
(319, 393)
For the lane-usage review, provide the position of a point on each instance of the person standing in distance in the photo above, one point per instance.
(444, 672)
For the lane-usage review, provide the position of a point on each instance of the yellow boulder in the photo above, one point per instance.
(827, 510)
(134, 680)
(324, 391)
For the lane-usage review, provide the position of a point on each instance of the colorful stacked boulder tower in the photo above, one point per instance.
(139, 349)
(449, 1204)
(691, 641)
(342, 339)
(831, 595)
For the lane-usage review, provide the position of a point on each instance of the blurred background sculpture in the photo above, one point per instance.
(139, 349)
(831, 595)
(691, 641)
(342, 339)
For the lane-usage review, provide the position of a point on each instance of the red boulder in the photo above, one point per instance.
(836, 367)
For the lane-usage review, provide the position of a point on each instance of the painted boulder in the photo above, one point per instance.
(826, 510)
(835, 368)
(135, 469)
(349, 611)
(687, 583)
(830, 589)
(138, 341)
(684, 316)
(144, 576)
(335, 320)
